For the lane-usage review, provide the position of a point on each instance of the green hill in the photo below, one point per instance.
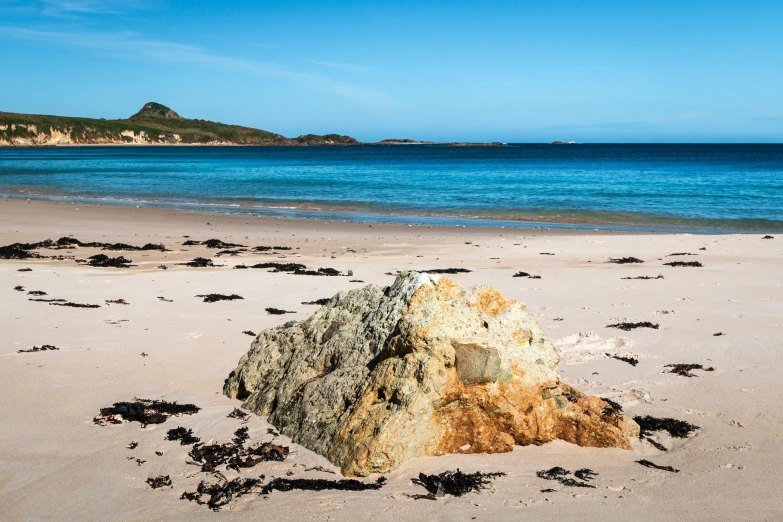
(153, 124)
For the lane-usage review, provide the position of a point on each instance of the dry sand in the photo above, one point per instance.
(56, 465)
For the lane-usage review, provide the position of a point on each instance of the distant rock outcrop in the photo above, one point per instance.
(424, 367)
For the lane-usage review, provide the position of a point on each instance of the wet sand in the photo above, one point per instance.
(56, 464)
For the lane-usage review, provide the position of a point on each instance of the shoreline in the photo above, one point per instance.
(341, 214)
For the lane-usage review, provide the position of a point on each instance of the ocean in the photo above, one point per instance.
(688, 188)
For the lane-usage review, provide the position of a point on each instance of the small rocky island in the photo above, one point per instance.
(379, 376)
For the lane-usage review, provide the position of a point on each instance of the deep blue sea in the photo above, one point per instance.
(652, 187)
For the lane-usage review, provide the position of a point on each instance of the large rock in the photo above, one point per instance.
(423, 367)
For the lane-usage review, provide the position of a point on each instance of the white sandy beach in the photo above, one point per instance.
(55, 464)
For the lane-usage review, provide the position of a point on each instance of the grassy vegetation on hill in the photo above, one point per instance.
(158, 123)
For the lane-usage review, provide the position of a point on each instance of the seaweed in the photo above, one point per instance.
(159, 481)
(161, 298)
(242, 267)
(116, 301)
(319, 302)
(104, 261)
(43, 348)
(718, 334)
(163, 267)
(14, 252)
(139, 462)
(228, 253)
(184, 436)
(250, 333)
(36, 292)
(561, 475)
(212, 298)
(648, 464)
(239, 414)
(281, 267)
(446, 271)
(222, 492)
(199, 262)
(19, 288)
(48, 300)
(659, 276)
(454, 483)
(61, 302)
(235, 455)
(525, 274)
(630, 360)
(768, 237)
(676, 428)
(632, 326)
(216, 243)
(625, 260)
(25, 270)
(323, 272)
(277, 311)
(264, 248)
(143, 411)
(545, 254)
(685, 369)
(284, 484)
(191, 242)
(356, 281)
(681, 254)
(684, 263)
(612, 410)
(133, 445)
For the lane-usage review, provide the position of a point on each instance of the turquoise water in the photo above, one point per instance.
(652, 187)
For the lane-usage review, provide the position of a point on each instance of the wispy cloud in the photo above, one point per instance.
(134, 46)
(341, 66)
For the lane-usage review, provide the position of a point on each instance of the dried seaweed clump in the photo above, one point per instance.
(216, 243)
(676, 428)
(659, 276)
(44, 348)
(212, 298)
(684, 263)
(685, 369)
(235, 455)
(633, 361)
(199, 262)
(239, 414)
(14, 252)
(277, 311)
(625, 260)
(284, 484)
(646, 463)
(159, 482)
(104, 261)
(63, 302)
(446, 271)
(144, 411)
(251, 333)
(454, 483)
(633, 326)
(184, 436)
(222, 492)
(264, 248)
(525, 274)
(559, 474)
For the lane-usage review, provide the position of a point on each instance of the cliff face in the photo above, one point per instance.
(154, 124)
(423, 367)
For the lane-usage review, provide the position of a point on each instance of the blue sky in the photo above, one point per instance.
(598, 71)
